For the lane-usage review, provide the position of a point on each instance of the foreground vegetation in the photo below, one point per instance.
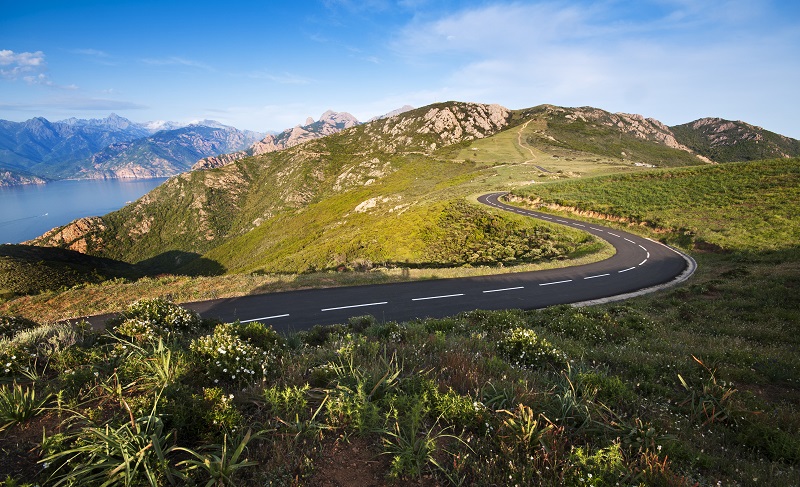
(695, 385)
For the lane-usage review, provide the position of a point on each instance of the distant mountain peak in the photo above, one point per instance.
(397, 111)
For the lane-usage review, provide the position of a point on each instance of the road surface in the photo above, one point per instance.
(639, 265)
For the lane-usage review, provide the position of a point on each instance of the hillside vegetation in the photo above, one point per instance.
(738, 206)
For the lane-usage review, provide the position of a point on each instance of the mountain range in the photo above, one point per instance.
(37, 149)
(329, 123)
(376, 192)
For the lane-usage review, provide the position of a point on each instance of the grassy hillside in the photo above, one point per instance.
(738, 206)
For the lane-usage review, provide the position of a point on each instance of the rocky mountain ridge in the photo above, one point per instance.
(38, 150)
(329, 123)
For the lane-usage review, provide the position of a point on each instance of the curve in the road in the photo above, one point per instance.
(640, 265)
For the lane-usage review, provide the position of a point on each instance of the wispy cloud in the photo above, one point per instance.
(281, 78)
(76, 103)
(90, 52)
(177, 61)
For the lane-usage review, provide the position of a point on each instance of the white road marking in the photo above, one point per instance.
(613, 234)
(642, 263)
(629, 240)
(355, 306)
(597, 229)
(437, 297)
(599, 275)
(579, 225)
(643, 248)
(562, 221)
(626, 270)
(505, 289)
(264, 318)
(556, 282)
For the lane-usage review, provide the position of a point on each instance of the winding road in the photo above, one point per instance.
(640, 265)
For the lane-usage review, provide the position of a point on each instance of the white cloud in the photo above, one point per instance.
(24, 64)
(684, 59)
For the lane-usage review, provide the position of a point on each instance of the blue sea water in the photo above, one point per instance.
(30, 210)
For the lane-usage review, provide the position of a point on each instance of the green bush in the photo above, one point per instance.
(229, 358)
(524, 348)
(151, 319)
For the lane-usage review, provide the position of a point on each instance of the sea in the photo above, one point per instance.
(30, 210)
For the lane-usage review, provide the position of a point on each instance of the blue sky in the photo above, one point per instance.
(268, 65)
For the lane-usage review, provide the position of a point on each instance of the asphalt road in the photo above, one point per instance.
(639, 264)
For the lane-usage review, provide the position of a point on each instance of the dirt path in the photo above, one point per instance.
(519, 142)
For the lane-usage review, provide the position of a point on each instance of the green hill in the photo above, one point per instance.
(726, 141)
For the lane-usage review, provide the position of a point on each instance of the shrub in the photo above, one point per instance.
(228, 357)
(151, 319)
(524, 348)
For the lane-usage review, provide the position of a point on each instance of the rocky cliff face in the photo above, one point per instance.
(81, 235)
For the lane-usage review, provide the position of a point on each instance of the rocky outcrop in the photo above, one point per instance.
(81, 236)
(12, 178)
(440, 125)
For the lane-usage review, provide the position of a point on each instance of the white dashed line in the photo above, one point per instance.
(613, 234)
(504, 289)
(626, 270)
(355, 306)
(562, 221)
(643, 248)
(264, 318)
(629, 240)
(642, 263)
(437, 297)
(597, 229)
(599, 275)
(556, 282)
(579, 225)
